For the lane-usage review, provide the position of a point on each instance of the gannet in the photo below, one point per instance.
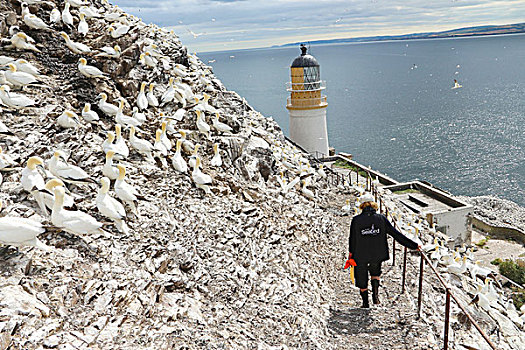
(110, 207)
(19, 232)
(178, 162)
(178, 116)
(89, 71)
(32, 181)
(347, 207)
(207, 107)
(147, 60)
(219, 126)
(158, 146)
(59, 167)
(72, 221)
(32, 21)
(152, 49)
(108, 108)
(67, 18)
(14, 100)
(18, 79)
(111, 52)
(290, 185)
(216, 160)
(76, 3)
(478, 270)
(169, 94)
(193, 156)
(203, 127)
(77, 48)
(108, 144)
(456, 85)
(306, 192)
(5, 60)
(142, 100)
(457, 268)
(89, 12)
(142, 146)
(117, 31)
(123, 119)
(124, 191)
(89, 115)
(83, 27)
(109, 170)
(22, 41)
(183, 89)
(179, 70)
(120, 146)
(68, 119)
(6, 161)
(48, 194)
(24, 66)
(321, 171)
(152, 99)
(202, 181)
(55, 15)
(164, 137)
(481, 299)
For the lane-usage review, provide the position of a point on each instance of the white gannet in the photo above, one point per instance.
(216, 160)
(22, 41)
(179, 70)
(187, 145)
(77, 48)
(193, 156)
(478, 270)
(123, 119)
(152, 99)
(117, 30)
(142, 146)
(169, 94)
(109, 170)
(89, 12)
(184, 90)
(88, 114)
(321, 171)
(164, 137)
(59, 167)
(179, 115)
(203, 127)
(120, 146)
(108, 108)
(14, 100)
(347, 208)
(289, 186)
(67, 18)
(32, 181)
(178, 162)
(138, 115)
(32, 21)
(456, 85)
(111, 52)
(19, 232)
(124, 191)
(481, 299)
(158, 146)
(72, 221)
(68, 119)
(458, 269)
(76, 3)
(18, 79)
(83, 27)
(89, 71)
(108, 144)
(110, 207)
(147, 60)
(219, 126)
(5, 60)
(202, 181)
(24, 66)
(6, 161)
(55, 15)
(48, 194)
(306, 192)
(142, 100)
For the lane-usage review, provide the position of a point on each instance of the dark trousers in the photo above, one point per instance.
(361, 273)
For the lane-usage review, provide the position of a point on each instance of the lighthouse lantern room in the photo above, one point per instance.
(307, 105)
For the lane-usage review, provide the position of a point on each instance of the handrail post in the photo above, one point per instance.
(420, 290)
(404, 271)
(447, 312)
(357, 175)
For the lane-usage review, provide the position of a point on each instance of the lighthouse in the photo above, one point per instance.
(307, 105)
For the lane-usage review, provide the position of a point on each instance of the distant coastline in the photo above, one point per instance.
(454, 33)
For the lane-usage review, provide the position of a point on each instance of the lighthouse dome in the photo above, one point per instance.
(304, 60)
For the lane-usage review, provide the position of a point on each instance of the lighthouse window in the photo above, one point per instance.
(311, 78)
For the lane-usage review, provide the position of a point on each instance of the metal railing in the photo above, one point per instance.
(306, 102)
(300, 87)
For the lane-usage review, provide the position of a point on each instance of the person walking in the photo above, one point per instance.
(368, 246)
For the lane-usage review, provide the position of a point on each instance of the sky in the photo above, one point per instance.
(220, 25)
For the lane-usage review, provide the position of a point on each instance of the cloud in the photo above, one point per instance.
(233, 24)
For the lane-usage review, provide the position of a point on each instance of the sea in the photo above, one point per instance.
(392, 106)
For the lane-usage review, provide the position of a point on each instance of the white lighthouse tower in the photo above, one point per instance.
(307, 105)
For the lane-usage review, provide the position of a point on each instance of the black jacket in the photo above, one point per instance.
(368, 242)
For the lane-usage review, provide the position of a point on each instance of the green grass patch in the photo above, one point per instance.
(342, 164)
(516, 273)
(483, 242)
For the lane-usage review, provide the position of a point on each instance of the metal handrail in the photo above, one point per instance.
(300, 87)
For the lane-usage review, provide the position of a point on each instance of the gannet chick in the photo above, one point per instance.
(59, 167)
(109, 170)
(124, 191)
(83, 27)
(22, 41)
(89, 71)
(14, 100)
(216, 160)
(110, 207)
(139, 116)
(158, 146)
(55, 15)
(32, 181)
(111, 52)
(164, 137)
(18, 79)
(77, 48)
(142, 146)
(20, 232)
(147, 60)
(117, 31)
(123, 119)
(89, 115)
(24, 66)
(120, 146)
(75, 222)
(219, 126)
(203, 127)
(67, 18)
(142, 100)
(152, 99)
(202, 181)
(6, 161)
(108, 108)
(178, 162)
(194, 155)
(68, 119)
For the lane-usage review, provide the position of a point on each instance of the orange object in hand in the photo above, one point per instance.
(349, 262)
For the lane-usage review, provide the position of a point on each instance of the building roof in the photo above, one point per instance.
(305, 60)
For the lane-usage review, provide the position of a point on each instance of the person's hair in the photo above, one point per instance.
(368, 204)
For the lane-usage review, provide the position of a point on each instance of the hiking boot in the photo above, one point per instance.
(375, 291)
(364, 295)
